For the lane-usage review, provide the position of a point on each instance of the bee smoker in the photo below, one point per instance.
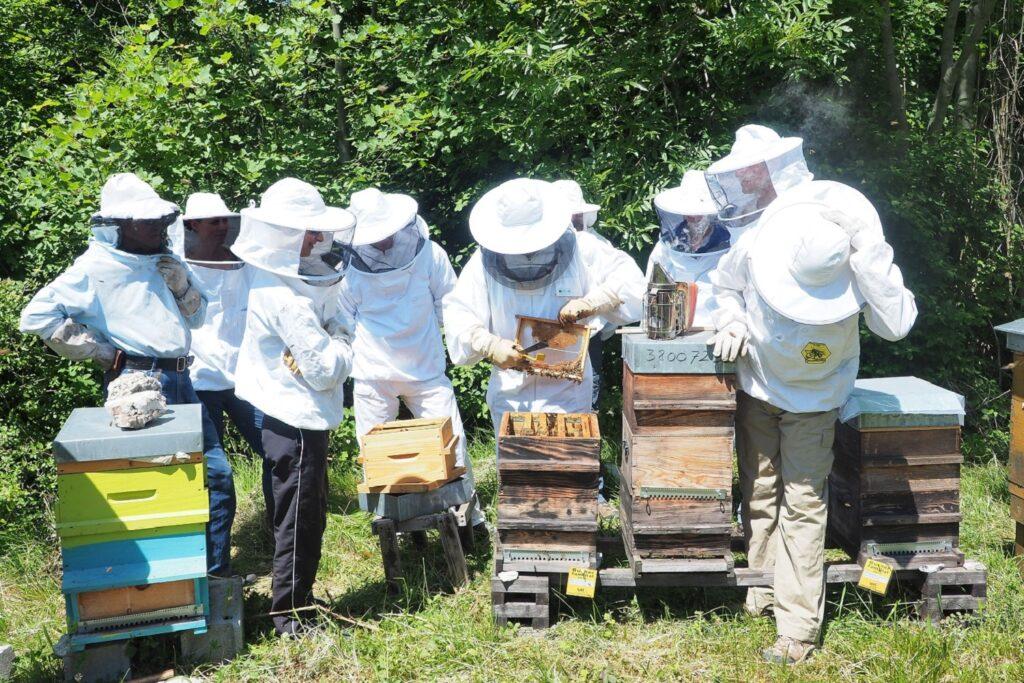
(665, 305)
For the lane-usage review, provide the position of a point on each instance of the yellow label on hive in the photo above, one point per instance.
(815, 353)
(582, 582)
(875, 576)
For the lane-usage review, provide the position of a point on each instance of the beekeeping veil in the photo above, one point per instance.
(205, 233)
(130, 208)
(688, 217)
(389, 234)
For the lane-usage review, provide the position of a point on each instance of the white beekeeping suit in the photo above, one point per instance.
(531, 262)
(759, 167)
(691, 239)
(202, 238)
(788, 298)
(299, 246)
(118, 294)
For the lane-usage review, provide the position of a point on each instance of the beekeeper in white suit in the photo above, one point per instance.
(691, 239)
(296, 355)
(532, 262)
(393, 290)
(202, 238)
(788, 298)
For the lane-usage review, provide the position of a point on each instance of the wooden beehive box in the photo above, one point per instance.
(894, 490)
(409, 455)
(564, 355)
(1015, 470)
(677, 454)
(548, 471)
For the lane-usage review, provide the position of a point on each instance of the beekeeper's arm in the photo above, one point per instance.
(190, 301)
(617, 285)
(467, 322)
(322, 356)
(442, 279)
(891, 309)
(51, 313)
(728, 308)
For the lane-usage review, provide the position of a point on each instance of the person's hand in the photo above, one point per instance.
(575, 310)
(859, 232)
(730, 342)
(506, 354)
(174, 274)
(289, 362)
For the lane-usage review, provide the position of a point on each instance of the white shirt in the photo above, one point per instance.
(397, 317)
(215, 345)
(120, 296)
(808, 368)
(287, 313)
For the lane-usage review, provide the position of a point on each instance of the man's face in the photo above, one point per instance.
(755, 179)
(146, 236)
(384, 244)
(310, 240)
(208, 241)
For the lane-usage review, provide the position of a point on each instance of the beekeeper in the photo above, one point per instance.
(296, 353)
(691, 239)
(760, 166)
(129, 305)
(584, 218)
(532, 262)
(393, 290)
(788, 297)
(203, 239)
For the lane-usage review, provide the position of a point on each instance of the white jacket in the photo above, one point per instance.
(119, 295)
(479, 301)
(215, 344)
(286, 313)
(808, 368)
(398, 317)
(683, 267)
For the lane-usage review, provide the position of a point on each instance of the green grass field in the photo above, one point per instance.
(430, 632)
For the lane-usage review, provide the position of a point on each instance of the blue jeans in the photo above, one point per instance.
(249, 420)
(177, 389)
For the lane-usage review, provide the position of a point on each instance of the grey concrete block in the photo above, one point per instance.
(109, 662)
(686, 355)
(225, 635)
(6, 661)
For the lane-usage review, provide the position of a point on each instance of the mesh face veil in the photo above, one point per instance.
(691, 234)
(209, 240)
(135, 236)
(392, 253)
(534, 270)
(743, 193)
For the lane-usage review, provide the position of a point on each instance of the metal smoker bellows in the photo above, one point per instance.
(666, 305)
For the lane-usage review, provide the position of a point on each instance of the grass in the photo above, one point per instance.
(429, 632)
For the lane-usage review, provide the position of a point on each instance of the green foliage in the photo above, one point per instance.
(445, 99)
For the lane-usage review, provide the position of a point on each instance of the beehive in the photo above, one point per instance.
(894, 490)
(548, 472)
(409, 455)
(679, 406)
(1015, 471)
(131, 511)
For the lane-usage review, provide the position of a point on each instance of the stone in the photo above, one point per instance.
(134, 400)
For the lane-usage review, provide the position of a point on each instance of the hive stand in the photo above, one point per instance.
(224, 637)
(447, 523)
(100, 663)
(524, 600)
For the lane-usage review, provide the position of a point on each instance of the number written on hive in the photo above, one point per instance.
(679, 357)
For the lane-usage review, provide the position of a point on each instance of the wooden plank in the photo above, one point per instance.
(388, 538)
(570, 483)
(121, 464)
(521, 584)
(911, 479)
(1017, 508)
(452, 547)
(668, 515)
(676, 462)
(521, 610)
(410, 487)
(570, 541)
(676, 388)
(116, 602)
(902, 442)
(557, 525)
(555, 509)
(690, 417)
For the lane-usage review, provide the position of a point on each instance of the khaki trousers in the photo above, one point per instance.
(784, 461)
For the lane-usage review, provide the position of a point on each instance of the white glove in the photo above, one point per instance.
(730, 341)
(174, 274)
(859, 232)
(75, 341)
(600, 300)
(506, 354)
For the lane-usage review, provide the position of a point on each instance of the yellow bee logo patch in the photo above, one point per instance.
(815, 353)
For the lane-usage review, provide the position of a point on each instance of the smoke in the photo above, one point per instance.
(817, 114)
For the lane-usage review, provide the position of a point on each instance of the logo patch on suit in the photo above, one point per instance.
(815, 353)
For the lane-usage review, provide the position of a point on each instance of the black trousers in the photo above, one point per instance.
(297, 459)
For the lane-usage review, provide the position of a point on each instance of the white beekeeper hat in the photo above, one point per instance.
(292, 203)
(126, 196)
(573, 194)
(753, 144)
(800, 261)
(520, 216)
(691, 198)
(380, 215)
(206, 205)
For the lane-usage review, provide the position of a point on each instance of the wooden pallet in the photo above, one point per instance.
(963, 589)
(525, 601)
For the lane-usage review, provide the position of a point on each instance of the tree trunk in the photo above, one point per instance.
(896, 104)
(341, 115)
(950, 77)
(965, 93)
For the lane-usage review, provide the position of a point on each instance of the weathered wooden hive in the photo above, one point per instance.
(894, 490)
(678, 417)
